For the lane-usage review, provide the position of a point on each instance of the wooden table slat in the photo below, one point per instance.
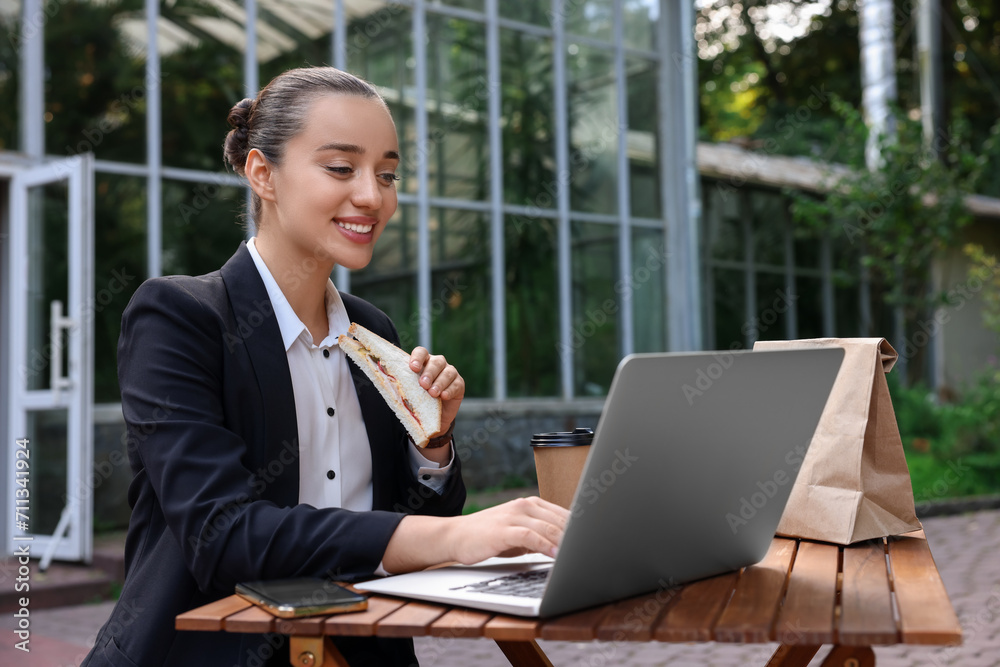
(411, 620)
(926, 613)
(578, 626)
(691, 617)
(635, 618)
(460, 623)
(511, 628)
(866, 616)
(310, 626)
(750, 614)
(251, 619)
(362, 623)
(807, 614)
(210, 616)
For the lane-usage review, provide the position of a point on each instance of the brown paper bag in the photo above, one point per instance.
(854, 484)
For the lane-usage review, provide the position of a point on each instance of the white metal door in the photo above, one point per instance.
(49, 439)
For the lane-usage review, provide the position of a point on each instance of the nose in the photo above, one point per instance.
(366, 193)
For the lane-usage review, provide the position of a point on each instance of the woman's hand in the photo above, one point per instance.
(524, 525)
(441, 380)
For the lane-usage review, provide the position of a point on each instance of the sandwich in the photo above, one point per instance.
(388, 367)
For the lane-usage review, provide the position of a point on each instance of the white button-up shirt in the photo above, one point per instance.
(335, 462)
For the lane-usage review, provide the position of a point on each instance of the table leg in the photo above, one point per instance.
(789, 655)
(850, 656)
(524, 653)
(315, 652)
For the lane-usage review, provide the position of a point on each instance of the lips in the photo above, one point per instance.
(357, 228)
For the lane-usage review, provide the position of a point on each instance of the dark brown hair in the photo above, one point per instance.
(278, 113)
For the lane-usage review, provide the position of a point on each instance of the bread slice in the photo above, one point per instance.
(388, 367)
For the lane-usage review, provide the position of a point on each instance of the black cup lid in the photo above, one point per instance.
(574, 438)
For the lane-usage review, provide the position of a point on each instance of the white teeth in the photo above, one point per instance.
(354, 227)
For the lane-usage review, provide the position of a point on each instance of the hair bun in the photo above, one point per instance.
(238, 140)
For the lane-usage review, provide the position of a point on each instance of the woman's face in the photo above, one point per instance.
(335, 189)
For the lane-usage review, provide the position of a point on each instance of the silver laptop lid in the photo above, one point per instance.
(690, 469)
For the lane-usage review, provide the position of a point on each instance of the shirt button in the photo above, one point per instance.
(426, 477)
(330, 474)
(326, 353)
(330, 411)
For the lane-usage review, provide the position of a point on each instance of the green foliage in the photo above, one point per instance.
(985, 269)
(900, 215)
(952, 449)
(773, 92)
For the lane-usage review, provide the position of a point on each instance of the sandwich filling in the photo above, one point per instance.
(394, 384)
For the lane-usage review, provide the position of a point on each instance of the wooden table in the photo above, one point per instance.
(803, 594)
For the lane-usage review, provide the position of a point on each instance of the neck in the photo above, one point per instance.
(304, 289)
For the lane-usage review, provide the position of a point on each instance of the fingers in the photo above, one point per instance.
(542, 525)
(437, 376)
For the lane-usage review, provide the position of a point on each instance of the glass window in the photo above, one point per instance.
(457, 96)
(722, 229)
(809, 306)
(380, 50)
(769, 211)
(95, 98)
(527, 11)
(201, 78)
(10, 25)
(649, 266)
(465, 4)
(643, 138)
(527, 120)
(596, 307)
(640, 19)
(120, 266)
(201, 226)
(847, 307)
(594, 129)
(729, 304)
(593, 18)
(532, 310)
(48, 275)
(773, 302)
(460, 309)
(390, 279)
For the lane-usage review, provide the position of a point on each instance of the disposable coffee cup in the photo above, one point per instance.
(559, 459)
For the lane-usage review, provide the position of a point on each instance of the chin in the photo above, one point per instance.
(355, 263)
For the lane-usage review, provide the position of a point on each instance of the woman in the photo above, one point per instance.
(258, 451)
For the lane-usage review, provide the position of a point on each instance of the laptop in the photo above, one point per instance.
(692, 463)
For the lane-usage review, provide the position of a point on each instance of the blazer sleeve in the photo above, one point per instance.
(172, 365)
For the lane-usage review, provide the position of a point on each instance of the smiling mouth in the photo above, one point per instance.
(355, 227)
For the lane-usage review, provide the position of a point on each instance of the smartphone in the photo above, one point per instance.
(294, 598)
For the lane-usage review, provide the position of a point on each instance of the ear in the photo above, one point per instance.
(260, 174)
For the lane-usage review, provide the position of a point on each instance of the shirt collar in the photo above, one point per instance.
(289, 324)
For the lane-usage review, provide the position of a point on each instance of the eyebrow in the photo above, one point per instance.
(354, 148)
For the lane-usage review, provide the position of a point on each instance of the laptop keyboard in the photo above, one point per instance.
(529, 584)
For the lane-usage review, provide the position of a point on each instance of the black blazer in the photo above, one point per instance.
(212, 441)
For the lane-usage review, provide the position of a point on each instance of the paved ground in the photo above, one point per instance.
(967, 550)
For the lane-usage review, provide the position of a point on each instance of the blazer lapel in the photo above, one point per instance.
(257, 328)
